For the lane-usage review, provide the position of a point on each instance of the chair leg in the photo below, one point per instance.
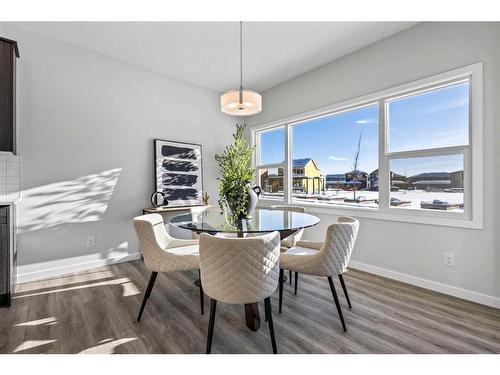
(337, 303)
(269, 316)
(211, 325)
(149, 288)
(290, 276)
(341, 278)
(296, 282)
(202, 297)
(281, 290)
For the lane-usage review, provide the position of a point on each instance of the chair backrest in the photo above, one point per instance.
(199, 210)
(153, 238)
(339, 243)
(294, 238)
(239, 270)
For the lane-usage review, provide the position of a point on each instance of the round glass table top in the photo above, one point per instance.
(263, 220)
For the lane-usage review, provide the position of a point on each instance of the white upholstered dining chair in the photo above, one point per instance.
(328, 258)
(163, 253)
(239, 271)
(292, 240)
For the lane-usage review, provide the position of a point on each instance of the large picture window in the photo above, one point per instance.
(412, 150)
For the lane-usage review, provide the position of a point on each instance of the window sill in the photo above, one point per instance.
(393, 214)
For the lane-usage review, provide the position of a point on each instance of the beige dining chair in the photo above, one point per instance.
(198, 210)
(239, 271)
(328, 258)
(163, 253)
(292, 240)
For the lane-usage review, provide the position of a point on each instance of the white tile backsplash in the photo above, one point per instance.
(12, 197)
(12, 173)
(13, 185)
(12, 157)
(10, 176)
(12, 164)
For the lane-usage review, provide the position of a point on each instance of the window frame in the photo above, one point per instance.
(472, 217)
(258, 166)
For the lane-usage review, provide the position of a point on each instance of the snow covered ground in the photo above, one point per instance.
(414, 196)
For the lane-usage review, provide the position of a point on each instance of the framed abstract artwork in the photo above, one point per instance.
(179, 172)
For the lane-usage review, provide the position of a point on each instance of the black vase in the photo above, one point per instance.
(253, 193)
(253, 198)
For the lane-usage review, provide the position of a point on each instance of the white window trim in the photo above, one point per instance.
(473, 155)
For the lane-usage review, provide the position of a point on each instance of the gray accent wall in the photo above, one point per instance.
(86, 129)
(414, 252)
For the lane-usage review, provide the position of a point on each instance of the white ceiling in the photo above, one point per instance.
(207, 53)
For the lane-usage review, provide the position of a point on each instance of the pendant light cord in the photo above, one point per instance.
(248, 102)
(241, 53)
(241, 66)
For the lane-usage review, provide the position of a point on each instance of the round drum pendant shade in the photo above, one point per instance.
(251, 103)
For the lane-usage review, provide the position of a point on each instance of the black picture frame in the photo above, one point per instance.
(179, 172)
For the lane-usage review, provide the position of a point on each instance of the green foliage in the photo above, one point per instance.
(235, 163)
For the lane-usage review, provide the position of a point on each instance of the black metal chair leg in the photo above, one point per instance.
(147, 293)
(337, 303)
(280, 290)
(211, 324)
(290, 276)
(202, 297)
(296, 282)
(341, 278)
(269, 316)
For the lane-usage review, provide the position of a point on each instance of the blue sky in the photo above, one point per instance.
(434, 119)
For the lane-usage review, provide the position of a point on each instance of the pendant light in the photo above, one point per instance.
(241, 102)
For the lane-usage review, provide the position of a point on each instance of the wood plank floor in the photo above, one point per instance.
(95, 311)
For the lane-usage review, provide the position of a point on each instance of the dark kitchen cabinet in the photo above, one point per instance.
(7, 255)
(8, 54)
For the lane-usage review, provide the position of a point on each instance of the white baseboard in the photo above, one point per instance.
(34, 272)
(454, 291)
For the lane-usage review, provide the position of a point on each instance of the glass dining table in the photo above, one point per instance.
(211, 220)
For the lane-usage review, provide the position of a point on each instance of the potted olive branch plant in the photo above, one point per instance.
(235, 183)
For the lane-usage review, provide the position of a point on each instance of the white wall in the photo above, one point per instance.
(414, 252)
(86, 129)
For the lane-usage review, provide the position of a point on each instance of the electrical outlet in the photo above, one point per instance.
(90, 241)
(449, 259)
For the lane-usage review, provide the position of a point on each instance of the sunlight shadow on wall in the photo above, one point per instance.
(82, 200)
(118, 251)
